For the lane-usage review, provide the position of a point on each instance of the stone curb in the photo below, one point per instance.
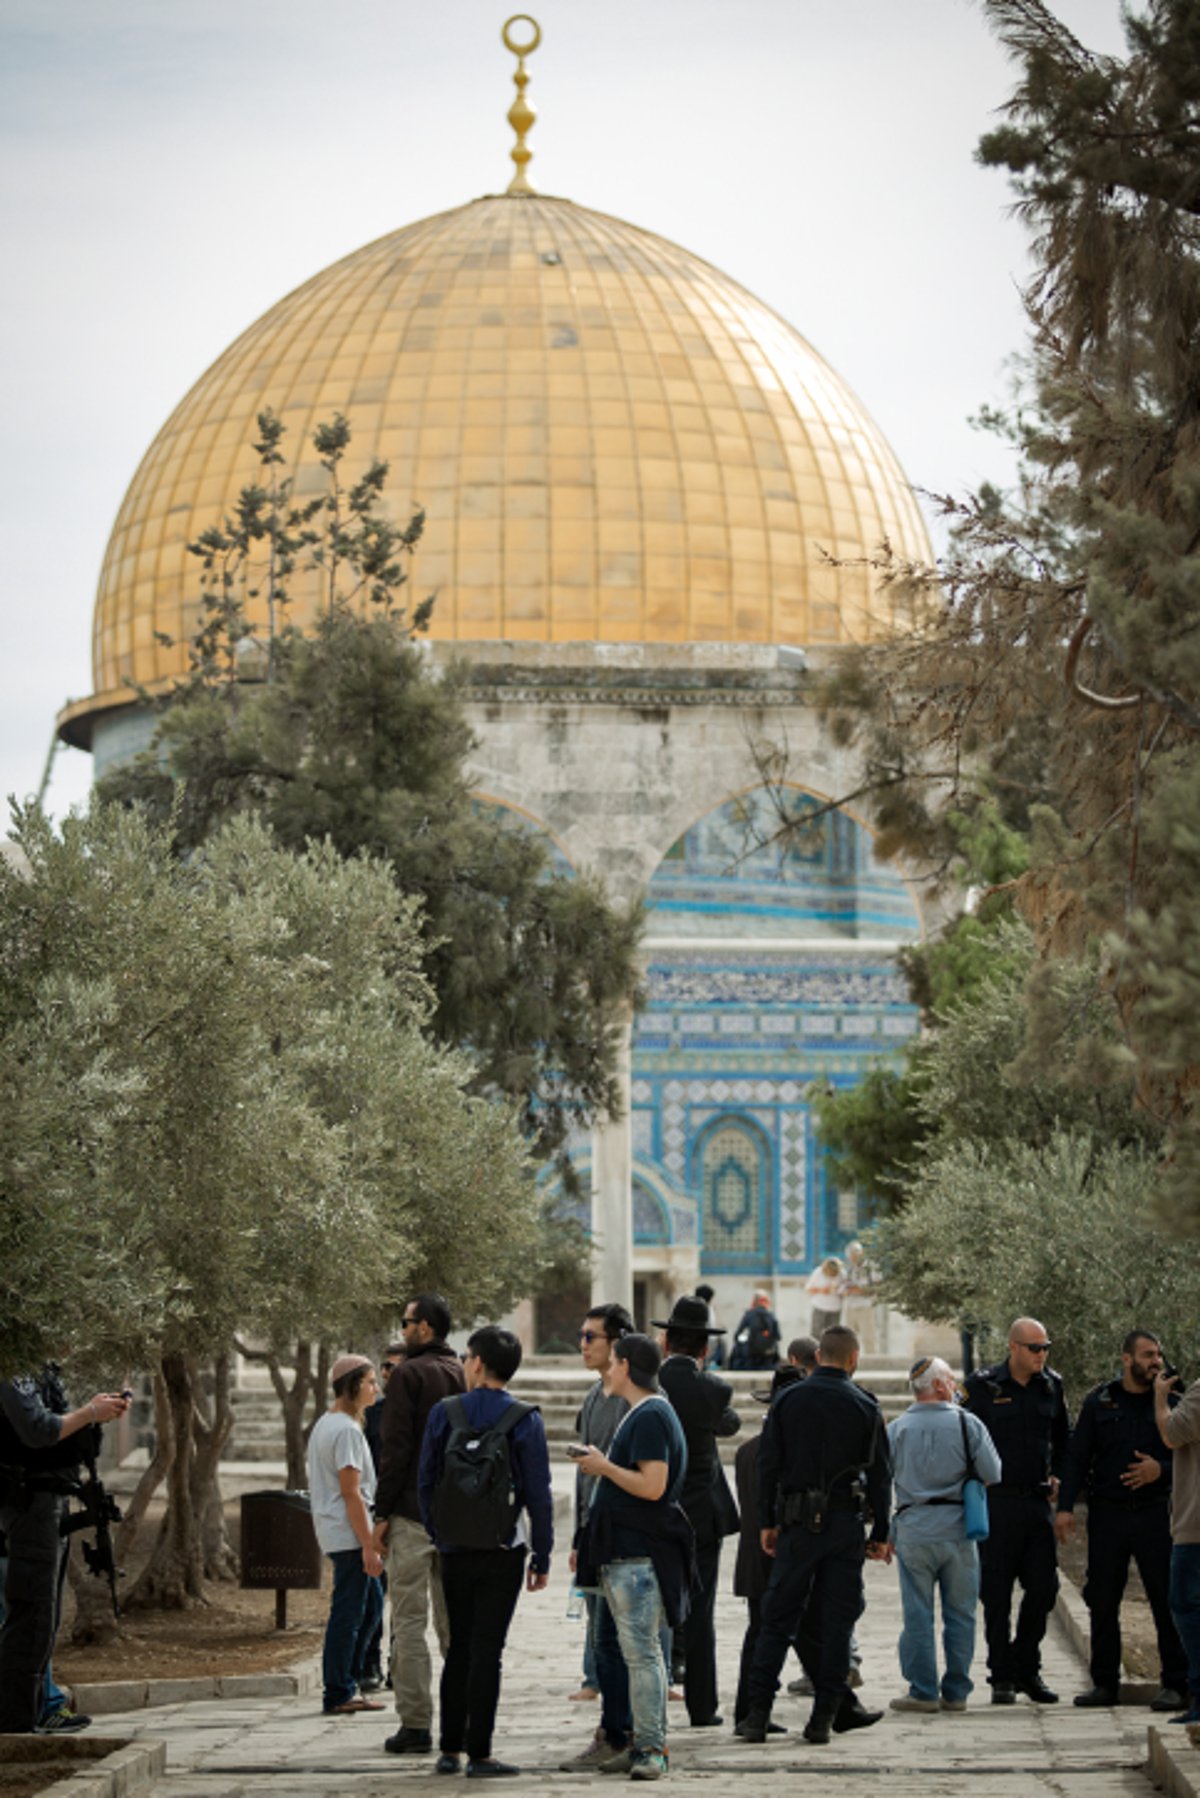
(1174, 1762)
(104, 1698)
(134, 1767)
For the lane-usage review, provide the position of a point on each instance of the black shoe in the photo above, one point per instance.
(773, 1729)
(852, 1714)
(447, 1763)
(1003, 1693)
(1169, 1699)
(713, 1722)
(491, 1769)
(410, 1741)
(755, 1725)
(1035, 1687)
(1099, 1698)
(819, 1727)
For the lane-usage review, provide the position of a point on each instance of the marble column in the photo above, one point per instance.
(612, 1193)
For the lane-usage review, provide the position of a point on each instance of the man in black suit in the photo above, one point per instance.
(701, 1402)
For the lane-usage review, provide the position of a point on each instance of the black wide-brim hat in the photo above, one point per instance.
(688, 1314)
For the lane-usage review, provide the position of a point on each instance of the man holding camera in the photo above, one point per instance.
(823, 1459)
(42, 1447)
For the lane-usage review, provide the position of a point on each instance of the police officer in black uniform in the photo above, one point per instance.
(1118, 1458)
(1021, 1402)
(41, 1449)
(823, 1449)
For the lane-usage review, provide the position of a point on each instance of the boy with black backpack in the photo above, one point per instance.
(484, 1492)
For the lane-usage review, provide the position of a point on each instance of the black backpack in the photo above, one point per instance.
(474, 1503)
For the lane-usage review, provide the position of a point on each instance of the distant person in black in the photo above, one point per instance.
(752, 1571)
(701, 1401)
(756, 1339)
(1021, 1402)
(802, 1353)
(824, 1449)
(1117, 1460)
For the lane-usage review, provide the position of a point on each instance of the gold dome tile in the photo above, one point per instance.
(611, 439)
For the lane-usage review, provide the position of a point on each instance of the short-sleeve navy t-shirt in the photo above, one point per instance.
(649, 1432)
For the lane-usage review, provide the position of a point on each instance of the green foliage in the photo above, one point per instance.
(220, 1108)
(1060, 1230)
(1053, 667)
(354, 739)
(874, 1131)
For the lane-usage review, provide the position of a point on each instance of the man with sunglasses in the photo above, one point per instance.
(595, 1427)
(429, 1371)
(1020, 1401)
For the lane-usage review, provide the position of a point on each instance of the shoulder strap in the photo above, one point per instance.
(966, 1442)
(511, 1417)
(456, 1412)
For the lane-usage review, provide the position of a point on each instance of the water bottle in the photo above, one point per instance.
(575, 1605)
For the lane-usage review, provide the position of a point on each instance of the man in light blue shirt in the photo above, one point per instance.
(929, 1464)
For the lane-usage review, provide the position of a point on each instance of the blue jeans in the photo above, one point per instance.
(1185, 1608)
(354, 1613)
(951, 1568)
(631, 1592)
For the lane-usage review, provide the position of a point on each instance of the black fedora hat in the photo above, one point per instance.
(688, 1314)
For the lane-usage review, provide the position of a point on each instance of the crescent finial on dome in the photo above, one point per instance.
(521, 115)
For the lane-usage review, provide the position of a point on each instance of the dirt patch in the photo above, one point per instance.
(27, 1767)
(1139, 1639)
(232, 1632)
(18, 1782)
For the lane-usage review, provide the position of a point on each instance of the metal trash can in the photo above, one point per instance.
(279, 1547)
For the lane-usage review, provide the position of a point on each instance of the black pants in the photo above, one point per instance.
(699, 1639)
(32, 1597)
(1019, 1548)
(835, 1559)
(741, 1703)
(1117, 1533)
(481, 1587)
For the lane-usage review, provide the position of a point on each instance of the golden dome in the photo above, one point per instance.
(612, 441)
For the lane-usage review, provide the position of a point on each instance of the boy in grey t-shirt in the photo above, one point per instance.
(341, 1479)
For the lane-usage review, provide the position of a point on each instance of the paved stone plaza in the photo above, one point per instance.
(224, 1749)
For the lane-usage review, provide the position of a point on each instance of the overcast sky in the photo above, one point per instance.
(170, 169)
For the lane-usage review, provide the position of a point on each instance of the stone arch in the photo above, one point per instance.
(843, 842)
(521, 818)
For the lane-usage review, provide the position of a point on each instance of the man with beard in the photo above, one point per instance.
(1118, 1459)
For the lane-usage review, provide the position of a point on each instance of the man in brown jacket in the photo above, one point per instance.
(430, 1371)
(1180, 1430)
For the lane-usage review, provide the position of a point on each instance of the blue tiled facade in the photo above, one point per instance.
(762, 982)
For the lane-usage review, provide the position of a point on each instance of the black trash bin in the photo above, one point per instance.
(279, 1547)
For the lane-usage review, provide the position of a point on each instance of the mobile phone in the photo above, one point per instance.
(577, 1450)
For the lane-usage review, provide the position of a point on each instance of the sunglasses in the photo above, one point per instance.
(1035, 1348)
(592, 1336)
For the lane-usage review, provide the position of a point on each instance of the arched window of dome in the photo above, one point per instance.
(651, 1219)
(732, 1167)
(733, 873)
(523, 823)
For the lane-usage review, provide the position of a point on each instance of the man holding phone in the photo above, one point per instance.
(595, 1427)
